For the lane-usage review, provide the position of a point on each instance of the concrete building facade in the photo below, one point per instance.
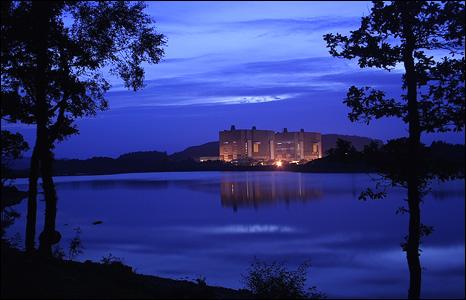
(240, 144)
(268, 146)
(297, 146)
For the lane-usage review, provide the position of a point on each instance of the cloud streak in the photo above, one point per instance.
(255, 82)
(296, 25)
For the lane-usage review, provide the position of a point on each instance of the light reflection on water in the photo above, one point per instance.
(213, 224)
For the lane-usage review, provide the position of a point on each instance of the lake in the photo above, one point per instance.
(212, 224)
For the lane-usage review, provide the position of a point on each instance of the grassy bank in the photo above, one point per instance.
(35, 277)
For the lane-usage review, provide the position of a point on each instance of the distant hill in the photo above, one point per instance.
(328, 141)
(21, 163)
(142, 161)
(143, 157)
(194, 152)
(445, 158)
(128, 161)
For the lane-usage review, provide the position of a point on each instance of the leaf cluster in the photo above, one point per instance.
(438, 51)
(86, 42)
(275, 281)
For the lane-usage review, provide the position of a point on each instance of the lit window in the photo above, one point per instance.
(256, 147)
(315, 148)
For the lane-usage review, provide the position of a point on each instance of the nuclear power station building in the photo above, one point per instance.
(269, 146)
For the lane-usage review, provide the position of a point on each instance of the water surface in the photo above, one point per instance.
(212, 224)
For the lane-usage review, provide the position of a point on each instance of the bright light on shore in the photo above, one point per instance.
(278, 163)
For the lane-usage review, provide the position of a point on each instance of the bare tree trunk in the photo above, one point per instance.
(49, 235)
(43, 12)
(32, 201)
(414, 196)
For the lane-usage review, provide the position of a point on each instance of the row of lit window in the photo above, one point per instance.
(256, 146)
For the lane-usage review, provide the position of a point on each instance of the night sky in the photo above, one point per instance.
(260, 64)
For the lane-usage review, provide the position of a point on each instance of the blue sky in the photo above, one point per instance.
(260, 64)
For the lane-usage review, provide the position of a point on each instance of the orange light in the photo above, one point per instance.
(279, 163)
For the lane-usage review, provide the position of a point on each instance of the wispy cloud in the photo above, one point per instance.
(245, 229)
(297, 25)
(253, 82)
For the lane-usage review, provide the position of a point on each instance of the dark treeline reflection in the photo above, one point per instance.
(235, 191)
(109, 184)
(254, 190)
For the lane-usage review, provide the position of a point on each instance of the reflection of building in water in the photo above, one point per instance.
(265, 145)
(257, 191)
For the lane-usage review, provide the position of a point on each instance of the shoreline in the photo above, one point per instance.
(210, 170)
(33, 276)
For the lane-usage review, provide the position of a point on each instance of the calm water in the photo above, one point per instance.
(212, 224)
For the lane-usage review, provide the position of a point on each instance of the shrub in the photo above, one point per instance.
(58, 252)
(274, 281)
(76, 245)
(110, 259)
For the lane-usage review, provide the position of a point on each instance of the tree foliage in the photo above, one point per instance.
(275, 281)
(56, 59)
(86, 42)
(344, 150)
(13, 146)
(439, 63)
(427, 40)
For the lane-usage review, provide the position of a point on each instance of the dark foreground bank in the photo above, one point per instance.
(35, 277)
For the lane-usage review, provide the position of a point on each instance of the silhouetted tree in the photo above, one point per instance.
(427, 39)
(13, 145)
(343, 151)
(55, 57)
